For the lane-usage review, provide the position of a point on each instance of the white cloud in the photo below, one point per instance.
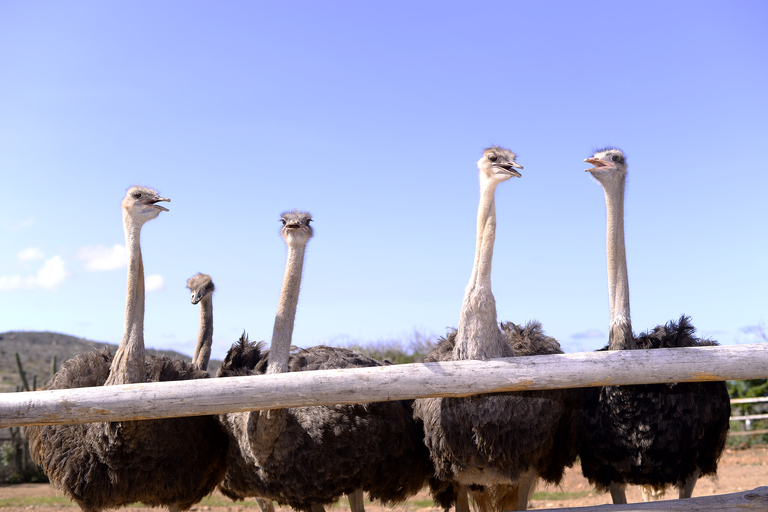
(30, 254)
(154, 282)
(99, 258)
(52, 274)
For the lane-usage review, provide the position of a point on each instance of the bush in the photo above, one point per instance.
(397, 351)
(16, 465)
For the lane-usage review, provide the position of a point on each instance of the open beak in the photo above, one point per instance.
(596, 162)
(511, 168)
(156, 200)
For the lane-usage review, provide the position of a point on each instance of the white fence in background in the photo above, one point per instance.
(748, 419)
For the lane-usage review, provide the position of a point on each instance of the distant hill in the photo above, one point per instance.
(36, 350)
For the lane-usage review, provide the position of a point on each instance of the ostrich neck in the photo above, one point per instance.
(478, 335)
(205, 334)
(282, 333)
(265, 427)
(620, 337)
(128, 363)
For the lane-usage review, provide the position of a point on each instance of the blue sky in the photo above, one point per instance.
(372, 116)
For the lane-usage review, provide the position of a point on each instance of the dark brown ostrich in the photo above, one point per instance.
(308, 457)
(167, 462)
(657, 435)
(495, 446)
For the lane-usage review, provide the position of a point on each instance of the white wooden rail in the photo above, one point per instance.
(755, 400)
(752, 417)
(455, 378)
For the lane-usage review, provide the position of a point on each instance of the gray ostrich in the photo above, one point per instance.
(495, 446)
(168, 462)
(201, 286)
(656, 435)
(308, 457)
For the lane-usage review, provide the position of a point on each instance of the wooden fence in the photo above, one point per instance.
(455, 378)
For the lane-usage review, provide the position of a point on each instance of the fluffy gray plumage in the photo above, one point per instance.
(328, 451)
(655, 435)
(510, 432)
(163, 462)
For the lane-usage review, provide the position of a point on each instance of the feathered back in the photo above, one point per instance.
(323, 357)
(526, 340)
(243, 358)
(672, 335)
(530, 340)
(89, 369)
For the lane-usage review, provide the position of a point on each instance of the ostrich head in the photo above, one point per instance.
(139, 204)
(201, 286)
(609, 165)
(498, 164)
(296, 229)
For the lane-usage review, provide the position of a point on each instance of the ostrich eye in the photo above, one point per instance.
(615, 158)
(283, 221)
(492, 157)
(136, 195)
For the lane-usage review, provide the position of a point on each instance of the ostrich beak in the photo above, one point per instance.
(158, 199)
(596, 162)
(510, 168)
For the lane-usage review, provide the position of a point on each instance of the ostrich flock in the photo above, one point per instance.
(490, 448)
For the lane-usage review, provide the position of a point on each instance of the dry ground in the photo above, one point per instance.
(740, 470)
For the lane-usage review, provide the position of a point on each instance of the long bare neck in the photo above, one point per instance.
(620, 337)
(479, 336)
(265, 427)
(128, 363)
(282, 333)
(205, 335)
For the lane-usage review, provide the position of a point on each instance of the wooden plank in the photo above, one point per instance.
(455, 378)
(756, 499)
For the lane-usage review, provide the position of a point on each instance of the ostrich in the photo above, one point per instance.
(308, 457)
(650, 435)
(168, 462)
(201, 286)
(495, 446)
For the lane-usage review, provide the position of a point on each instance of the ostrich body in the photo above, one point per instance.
(168, 462)
(495, 445)
(201, 286)
(657, 435)
(308, 457)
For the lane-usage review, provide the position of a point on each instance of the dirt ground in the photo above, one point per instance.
(739, 470)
